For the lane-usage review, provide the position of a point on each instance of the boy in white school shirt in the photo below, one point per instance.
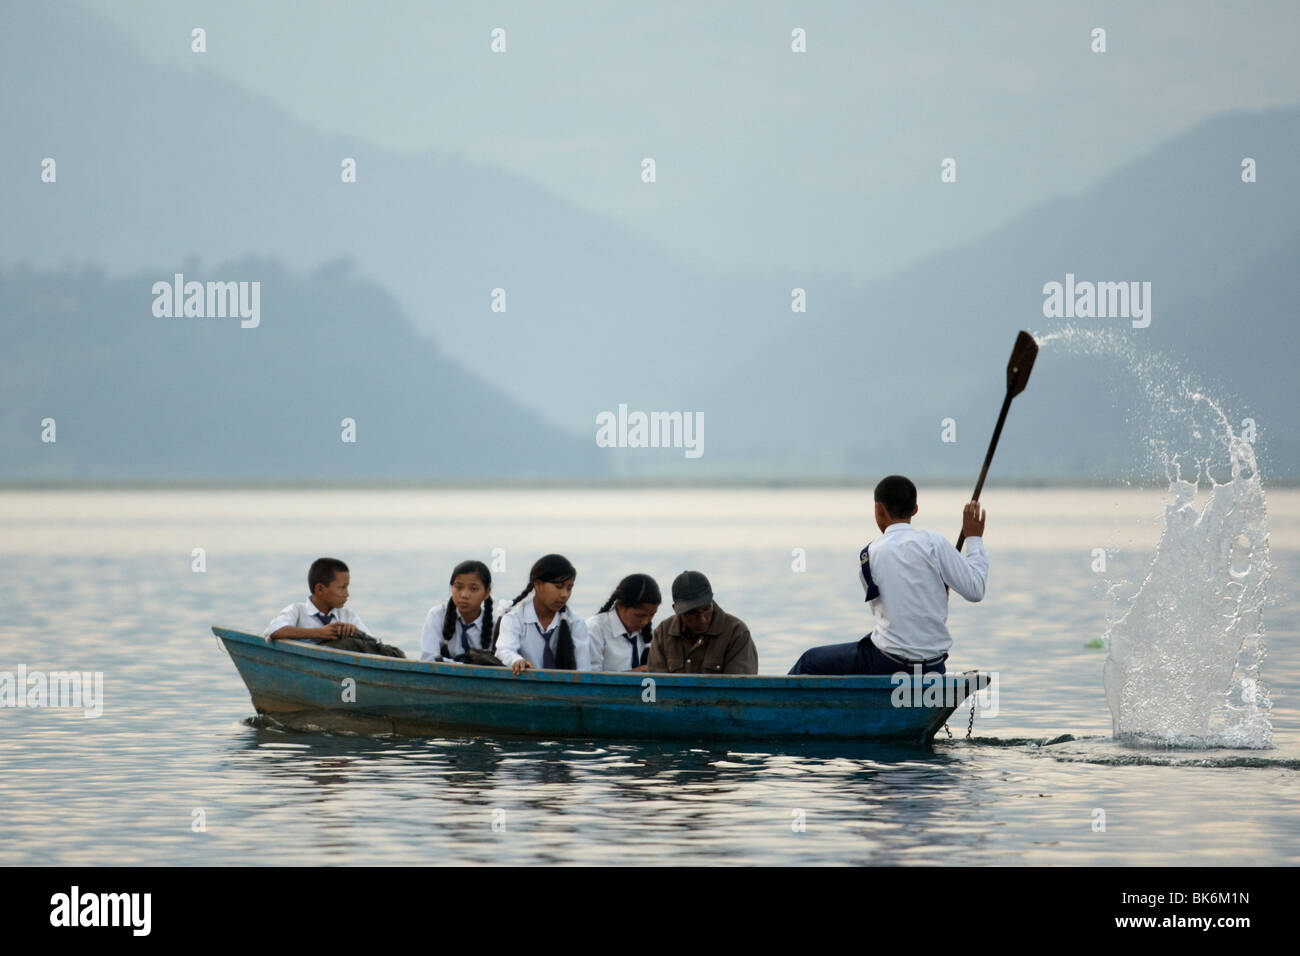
(906, 574)
(322, 619)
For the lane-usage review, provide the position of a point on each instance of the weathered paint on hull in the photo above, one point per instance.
(304, 684)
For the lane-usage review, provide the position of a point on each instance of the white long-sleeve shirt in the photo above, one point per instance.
(909, 567)
(611, 644)
(306, 614)
(431, 636)
(521, 636)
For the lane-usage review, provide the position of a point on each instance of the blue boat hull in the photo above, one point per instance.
(308, 685)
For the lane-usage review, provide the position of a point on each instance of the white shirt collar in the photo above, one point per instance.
(616, 624)
(530, 616)
(898, 526)
(460, 620)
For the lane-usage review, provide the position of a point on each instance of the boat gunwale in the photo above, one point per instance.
(975, 680)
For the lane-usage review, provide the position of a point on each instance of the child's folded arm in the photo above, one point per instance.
(282, 620)
(293, 633)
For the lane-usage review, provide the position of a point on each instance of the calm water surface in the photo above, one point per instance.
(103, 581)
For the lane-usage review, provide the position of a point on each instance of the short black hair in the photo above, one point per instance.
(898, 495)
(322, 571)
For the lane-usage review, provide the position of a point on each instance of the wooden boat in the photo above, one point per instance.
(307, 685)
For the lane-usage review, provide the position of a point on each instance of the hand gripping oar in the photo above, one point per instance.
(1023, 354)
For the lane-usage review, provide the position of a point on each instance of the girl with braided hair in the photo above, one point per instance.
(543, 632)
(464, 622)
(620, 631)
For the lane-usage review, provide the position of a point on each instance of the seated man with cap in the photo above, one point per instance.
(906, 573)
(700, 637)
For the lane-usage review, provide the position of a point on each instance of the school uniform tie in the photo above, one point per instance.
(464, 634)
(548, 655)
(864, 558)
(324, 618)
(636, 658)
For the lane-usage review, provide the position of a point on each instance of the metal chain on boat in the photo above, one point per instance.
(970, 724)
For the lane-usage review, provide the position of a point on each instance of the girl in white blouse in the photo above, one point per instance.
(464, 621)
(620, 631)
(543, 632)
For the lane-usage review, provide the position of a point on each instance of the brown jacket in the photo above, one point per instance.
(726, 648)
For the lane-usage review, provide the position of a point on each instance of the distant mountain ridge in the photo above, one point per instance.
(163, 171)
(1221, 256)
(137, 396)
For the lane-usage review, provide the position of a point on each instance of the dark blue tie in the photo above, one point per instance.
(548, 655)
(464, 634)
(324, 618)
(636, 658)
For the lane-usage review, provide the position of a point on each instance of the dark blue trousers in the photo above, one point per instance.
(856, 657)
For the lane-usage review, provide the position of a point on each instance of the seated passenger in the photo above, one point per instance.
(620, 631)
(700, 637)
(322, 619)
(543, 632)
(453, 636)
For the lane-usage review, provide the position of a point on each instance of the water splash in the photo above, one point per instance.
(1183, 663)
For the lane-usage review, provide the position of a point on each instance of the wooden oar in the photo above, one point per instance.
(1023, 354)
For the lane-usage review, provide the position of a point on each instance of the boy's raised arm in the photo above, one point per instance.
(966, 574)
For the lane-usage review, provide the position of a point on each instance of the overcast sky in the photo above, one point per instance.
(734, 119)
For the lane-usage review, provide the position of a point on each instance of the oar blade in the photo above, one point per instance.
(1022, 362)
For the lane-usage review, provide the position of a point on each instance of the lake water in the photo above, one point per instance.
(105, 581)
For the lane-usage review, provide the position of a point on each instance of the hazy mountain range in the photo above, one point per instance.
(135, 395)
(376, 304)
